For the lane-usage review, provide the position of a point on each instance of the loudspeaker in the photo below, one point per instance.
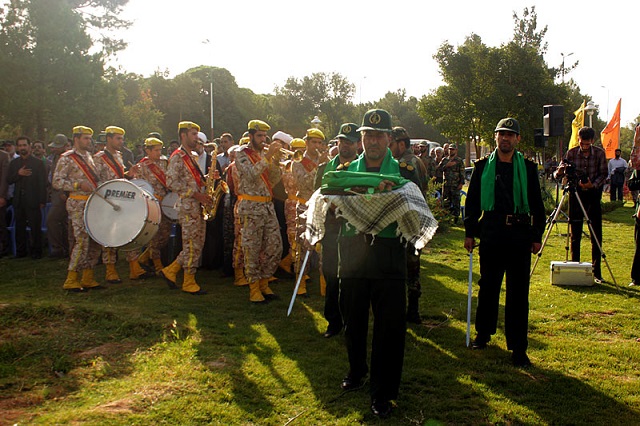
(539, 139)
(553, 117)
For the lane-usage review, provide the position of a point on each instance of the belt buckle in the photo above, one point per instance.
(508, 220)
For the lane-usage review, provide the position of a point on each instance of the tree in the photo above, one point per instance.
(50, 78)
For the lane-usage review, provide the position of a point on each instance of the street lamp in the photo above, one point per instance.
(562, 71)
(590, 109)
(206, 41)
(316, 122)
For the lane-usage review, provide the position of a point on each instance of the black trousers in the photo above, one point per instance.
(387, 300)
(635, 266)
(591, 202)
(330, 271)
(616, 191)
(512, 259)
(31, 216)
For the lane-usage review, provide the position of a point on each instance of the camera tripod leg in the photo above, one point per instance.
(594, 237)
(553, 218)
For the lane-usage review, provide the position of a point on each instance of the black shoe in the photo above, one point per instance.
(331, 332)
(118, 281)
(480, 342)
(414, 318)
(272, 296)
(303, 295)
(351, 382)
(381, 408)
(144, 276)
(170, 283)
(197, 293)
(520, 359)
(75, 290)
(598, 280)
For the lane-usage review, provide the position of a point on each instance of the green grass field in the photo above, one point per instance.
(139, 353)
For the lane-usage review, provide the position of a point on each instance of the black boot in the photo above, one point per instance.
(413, 314)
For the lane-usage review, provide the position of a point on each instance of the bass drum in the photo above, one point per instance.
(143, 184)
(169, 206)
(119, 214)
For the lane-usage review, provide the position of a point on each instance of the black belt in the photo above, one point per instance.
(509, 219)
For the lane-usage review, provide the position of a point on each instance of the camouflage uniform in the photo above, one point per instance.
(304, 175)
(238, 256)
(159, 191)
(261, 241)
(181, 181)
(290, 204)
(68, 177)
(106, 173)
(453, 177)
(430, 165)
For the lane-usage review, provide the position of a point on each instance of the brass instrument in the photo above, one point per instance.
(296, 156)
(215, 191)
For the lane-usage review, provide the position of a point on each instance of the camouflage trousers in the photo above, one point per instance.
(161, 238)
(85, 251)
(238, 256)
(261, 243)
(290, 218)
(451, 199)
(193, 234)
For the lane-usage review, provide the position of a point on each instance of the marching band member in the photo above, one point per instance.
(261, 242)
(152, 169)
(185, 178)
(290, 204)
(304, 174)
(109, 166)
(76, 174)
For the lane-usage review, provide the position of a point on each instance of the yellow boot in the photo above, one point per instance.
(144, 257)
(72, 283)
(112, 275)
(240, 279)
(169, 273)
(189, 285)
(136, 272)
(285, 263)
(157, 264)
(323, 285)
(255, 295)
(302, 290)
(87, 279)
(266, 290)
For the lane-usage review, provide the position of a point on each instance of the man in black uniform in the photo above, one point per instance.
(372, 274)
(348, 143)
(505, 191)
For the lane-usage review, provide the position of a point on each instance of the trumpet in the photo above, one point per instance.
(296, 156)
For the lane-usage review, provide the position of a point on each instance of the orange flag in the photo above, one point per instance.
(610, 136)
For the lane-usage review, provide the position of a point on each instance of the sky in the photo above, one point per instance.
(379, 46)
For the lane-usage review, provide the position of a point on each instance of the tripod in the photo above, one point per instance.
(571, 188)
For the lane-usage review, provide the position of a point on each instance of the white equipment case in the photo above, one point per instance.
(571, 273)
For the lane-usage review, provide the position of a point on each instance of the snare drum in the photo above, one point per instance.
(168, 205)
(119, 214)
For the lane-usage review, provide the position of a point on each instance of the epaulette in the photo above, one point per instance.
(404, 165)
(98, 154)
(67, 153)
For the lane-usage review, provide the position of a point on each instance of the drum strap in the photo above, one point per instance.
(157, 171)
(193, 168)
(78, 196)
(113, 164)
(85, 167)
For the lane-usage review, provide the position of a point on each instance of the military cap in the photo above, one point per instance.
(188, 125)
(258, 125)
(149, 142)
(314, 133)
(453, 146)
(423, 143)
(114, 130)
(509, 124)
(400, 134)
(58, 141)
(282, 136)
(376, 119)
(298, 143)
(155, 135)
(82, 130)
(101, 138)
(244, 140)
(349, 131)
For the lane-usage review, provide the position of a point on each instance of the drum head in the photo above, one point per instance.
(168, 205)
(116, 213)
(143, 184)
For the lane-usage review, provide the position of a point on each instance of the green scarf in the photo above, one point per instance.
(488, 183)
(389, 165)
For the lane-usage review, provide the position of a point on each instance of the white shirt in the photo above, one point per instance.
(615, 163)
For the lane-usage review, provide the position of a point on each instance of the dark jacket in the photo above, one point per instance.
(30, 191)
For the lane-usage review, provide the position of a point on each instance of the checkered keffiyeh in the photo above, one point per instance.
(371, 213)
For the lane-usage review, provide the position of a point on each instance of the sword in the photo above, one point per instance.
(295, 290)
(469, 292)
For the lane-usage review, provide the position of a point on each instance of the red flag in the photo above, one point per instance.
(610, 136)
